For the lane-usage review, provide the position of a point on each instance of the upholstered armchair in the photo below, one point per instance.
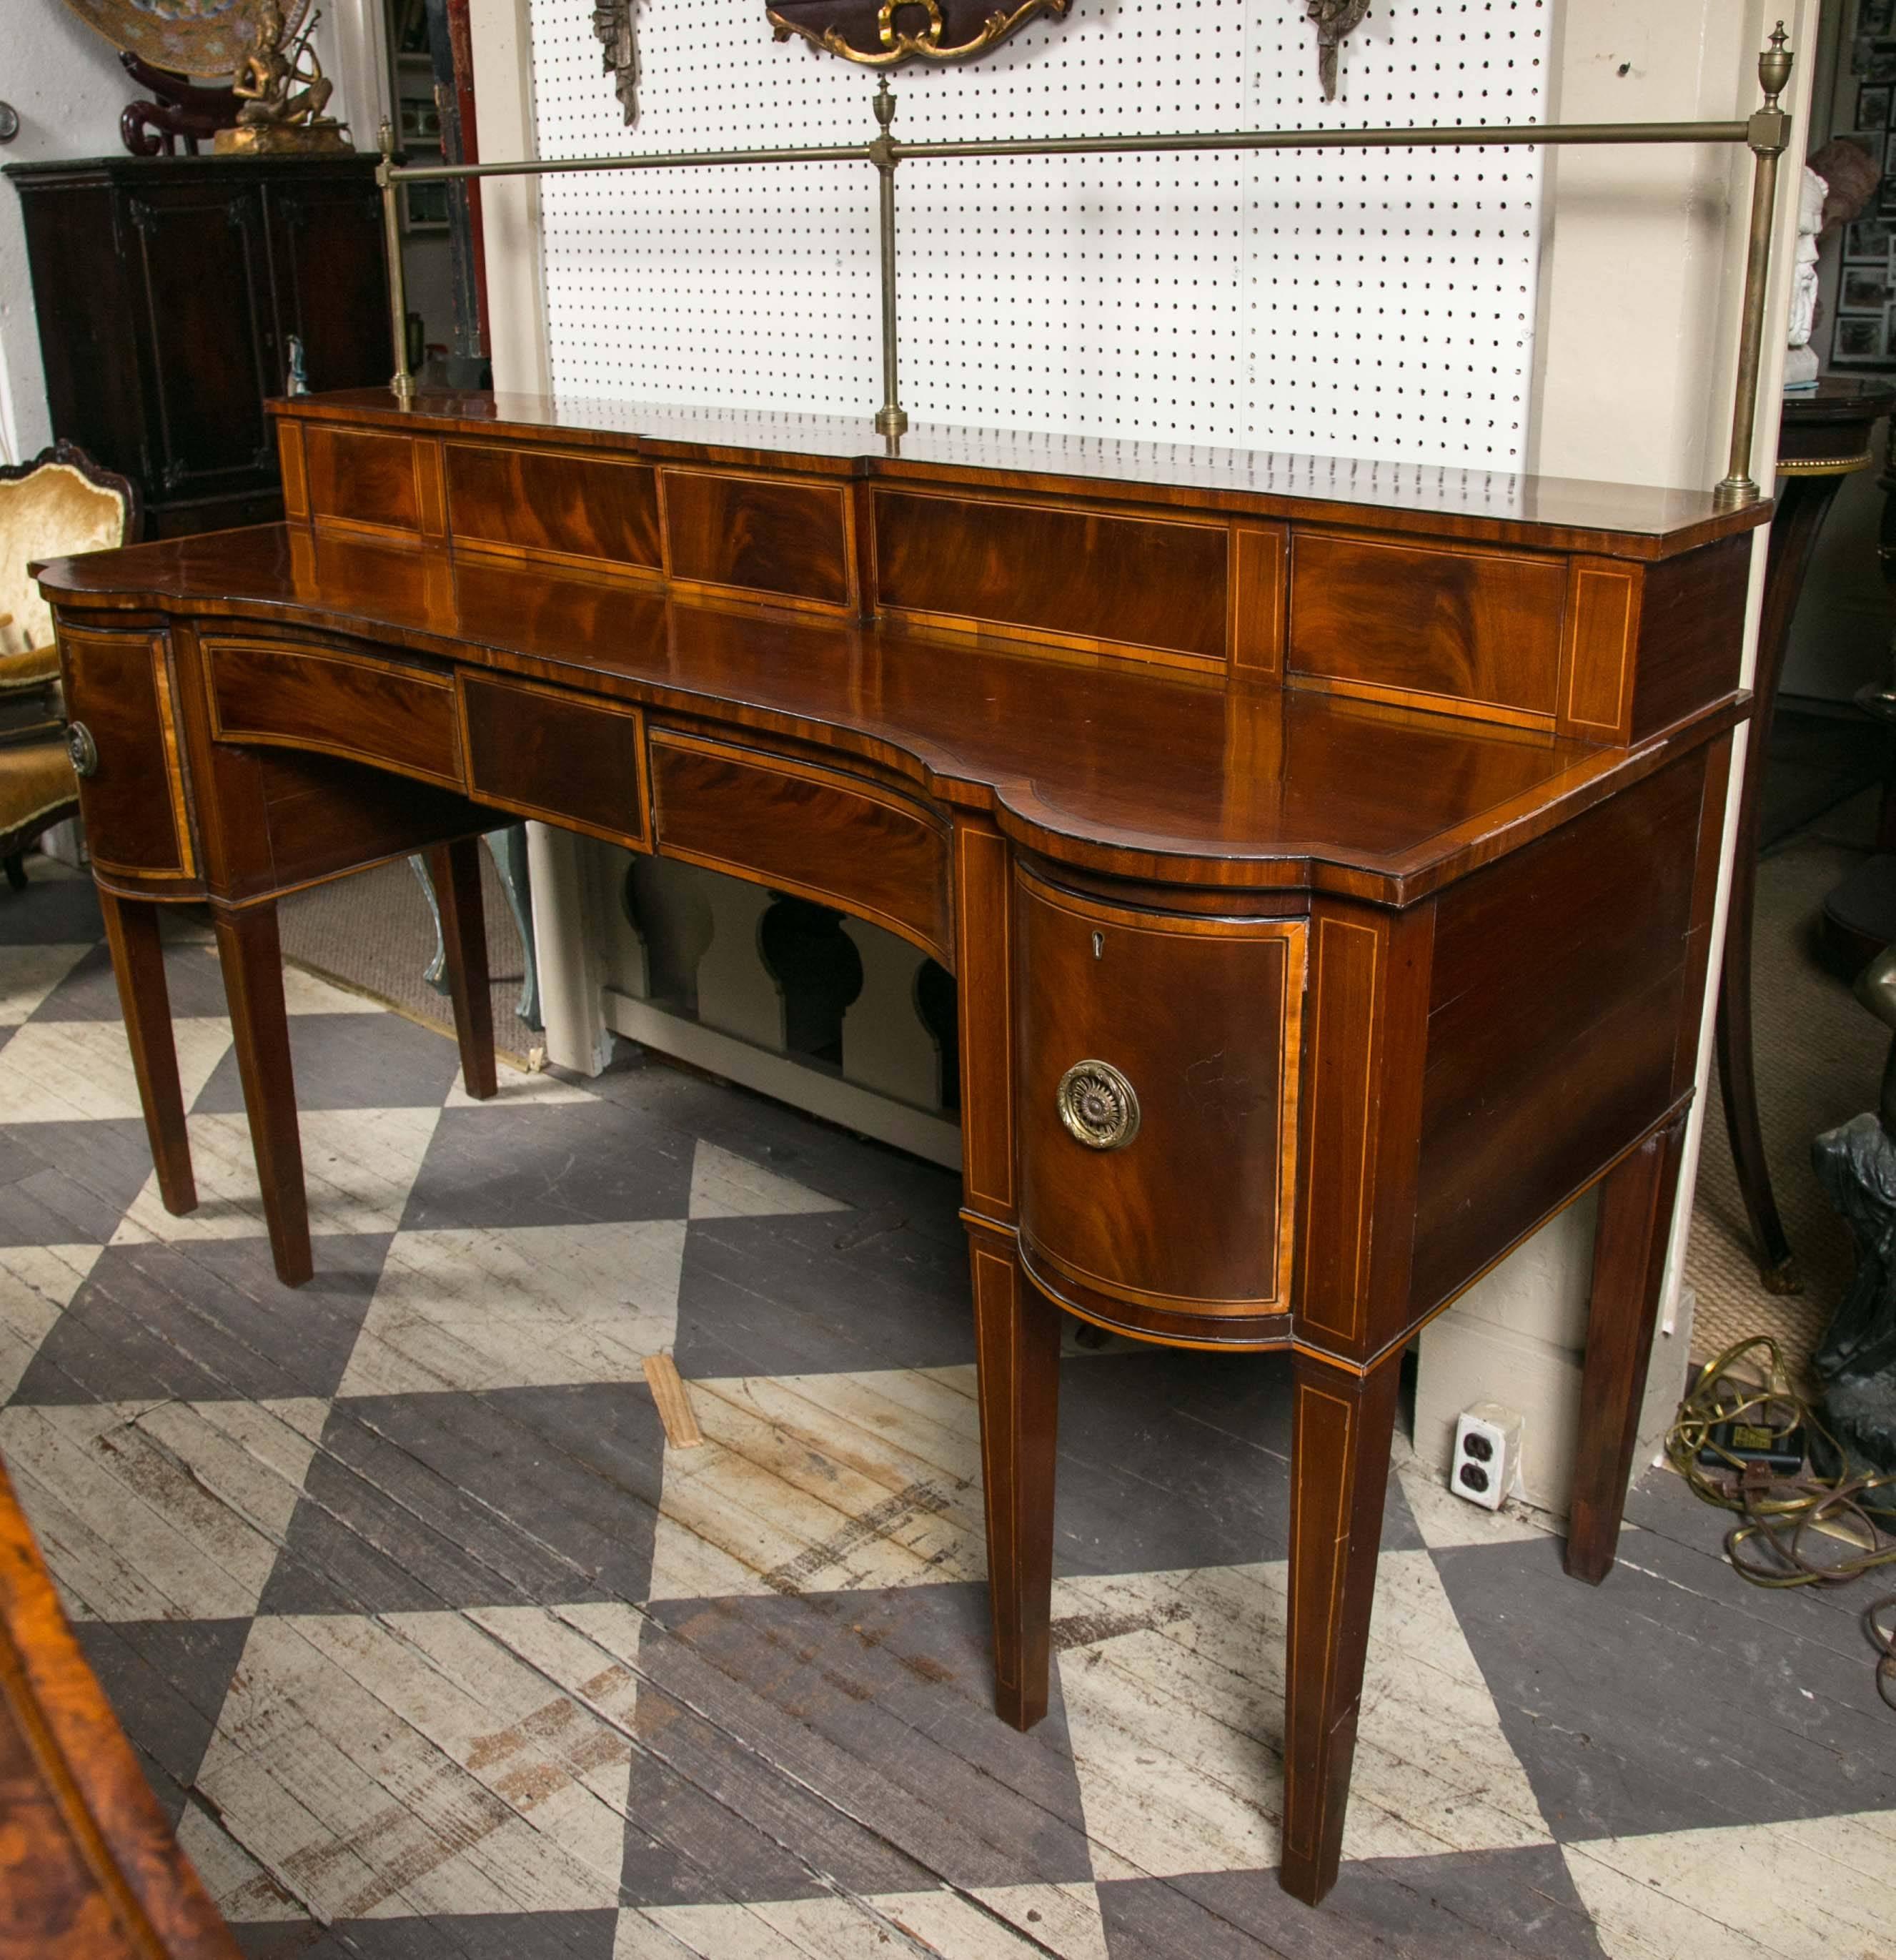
(60, 503)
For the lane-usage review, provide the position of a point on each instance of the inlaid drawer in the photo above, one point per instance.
(325, 697)
(118, 692)
(547, 753)
(814, 831)
(1156, 1119)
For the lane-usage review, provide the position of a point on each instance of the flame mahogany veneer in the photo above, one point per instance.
(89, 1867)
(1366, 818)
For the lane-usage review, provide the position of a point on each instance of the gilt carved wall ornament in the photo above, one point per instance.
(884, 33)
(1335, 20)
(612, 23)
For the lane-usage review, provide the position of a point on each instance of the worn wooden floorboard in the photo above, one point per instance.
(438, 1652)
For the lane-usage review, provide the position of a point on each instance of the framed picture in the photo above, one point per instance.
(425, 207)
(1859, 338)
(1869, 240)
(1876, 17)
(1864, 288)
(1872, 106)
(1874, 61)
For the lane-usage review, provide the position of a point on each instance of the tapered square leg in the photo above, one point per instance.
(1017, 1331)
(1343, 1426)
(252, 958)
(138, 965)
(1629, 1269)
(456, 870)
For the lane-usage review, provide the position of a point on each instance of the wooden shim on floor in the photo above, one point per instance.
(674, 1406)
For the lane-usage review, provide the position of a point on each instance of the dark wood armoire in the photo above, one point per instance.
(167, 289)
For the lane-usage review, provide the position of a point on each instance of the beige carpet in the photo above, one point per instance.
(1819, 1061)
(373, 932)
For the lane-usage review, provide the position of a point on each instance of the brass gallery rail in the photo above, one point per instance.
(1766, 132)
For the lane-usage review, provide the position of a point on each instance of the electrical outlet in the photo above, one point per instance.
(1486, 1461)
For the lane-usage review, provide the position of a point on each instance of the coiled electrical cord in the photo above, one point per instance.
(1780, 1516)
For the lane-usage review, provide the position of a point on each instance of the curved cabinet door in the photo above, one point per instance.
(119, 700)
(1156, 1114)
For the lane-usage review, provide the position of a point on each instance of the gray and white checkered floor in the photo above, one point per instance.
(432, 1649)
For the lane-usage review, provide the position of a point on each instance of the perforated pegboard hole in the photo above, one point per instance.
(1372, 303)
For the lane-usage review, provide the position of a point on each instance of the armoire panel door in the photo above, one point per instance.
(330, 284)
(201, 277)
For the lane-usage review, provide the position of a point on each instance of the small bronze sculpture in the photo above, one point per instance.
(1335, 20)
(1856, 1165)
(284, 92)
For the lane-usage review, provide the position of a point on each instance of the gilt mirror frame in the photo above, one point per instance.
(884, 33)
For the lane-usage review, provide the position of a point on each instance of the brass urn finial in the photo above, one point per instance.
(1774, 66)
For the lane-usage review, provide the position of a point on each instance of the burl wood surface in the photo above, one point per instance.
(89, 1869)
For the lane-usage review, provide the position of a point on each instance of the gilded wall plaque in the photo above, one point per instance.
(884, 33)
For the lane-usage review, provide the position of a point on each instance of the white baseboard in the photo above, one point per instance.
(829, 1097)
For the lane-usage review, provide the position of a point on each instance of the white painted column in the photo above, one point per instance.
(352, 44)
(567, 948)
(577, 1036)
(498, 33)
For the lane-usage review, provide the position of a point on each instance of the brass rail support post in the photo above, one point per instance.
(891, 418)
(401, 382)
(1767, 134)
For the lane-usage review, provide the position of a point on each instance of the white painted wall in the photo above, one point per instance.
(66, 84)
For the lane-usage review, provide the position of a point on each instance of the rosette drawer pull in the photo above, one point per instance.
(82, 749)
(1098, 1106)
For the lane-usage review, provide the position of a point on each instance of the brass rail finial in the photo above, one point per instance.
(402, 382)
(1767, 135)
(1774, 66)
(890, 419)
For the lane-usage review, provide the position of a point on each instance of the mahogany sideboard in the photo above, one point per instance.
(1324, 851)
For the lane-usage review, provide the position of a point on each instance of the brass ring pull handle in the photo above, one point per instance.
(82, 749)
(1099, 1107)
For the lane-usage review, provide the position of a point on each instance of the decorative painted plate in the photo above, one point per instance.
(201, 37)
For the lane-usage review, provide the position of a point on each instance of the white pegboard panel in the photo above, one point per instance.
(1371, 304)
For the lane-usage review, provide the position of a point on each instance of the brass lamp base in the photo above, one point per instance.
(323, 138)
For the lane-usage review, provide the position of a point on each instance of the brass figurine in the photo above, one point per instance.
(284, 92)
(1335, 20)
(885, 35)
